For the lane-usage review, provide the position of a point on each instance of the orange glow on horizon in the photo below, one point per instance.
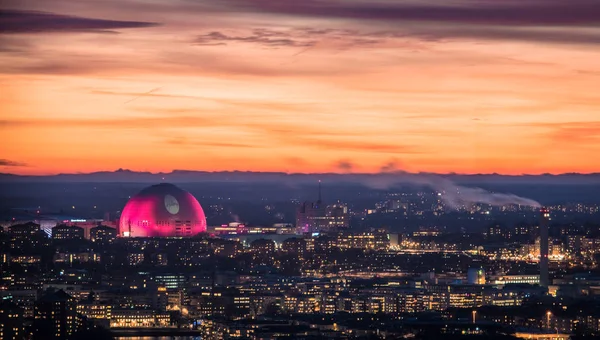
(166, 97)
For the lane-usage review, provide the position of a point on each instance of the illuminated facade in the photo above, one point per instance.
(544, 272)
(134, 259)
(95, 310)
(162, 210)
(139, 318)
(518, 279)
(103, 234)
(308, 215)
(476, 276)
(366, 240)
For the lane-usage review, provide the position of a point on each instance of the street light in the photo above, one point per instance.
(548, 315)
(474, 313)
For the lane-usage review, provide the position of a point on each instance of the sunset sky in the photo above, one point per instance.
(508, 86)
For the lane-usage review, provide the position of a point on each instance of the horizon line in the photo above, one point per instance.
(341, 173)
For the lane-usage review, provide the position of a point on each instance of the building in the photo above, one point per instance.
(11, 321)
(24, 299)
(94, 310)
(103, 234)
(476, 276)
(139, 318)
(336, 218)
(308, 215)
(517, 279)
(134, 259)
(263, 246)
(542, 335)
(295, 246)
(56, 314)
(378, 239)
(544, 272)
(24, 230)
(170, 281)
(65, 232)
(316, 217)
(162, 210)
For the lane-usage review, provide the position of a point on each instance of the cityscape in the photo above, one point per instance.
(158, 267)
(299, 169)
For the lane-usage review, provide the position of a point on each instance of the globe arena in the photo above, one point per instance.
(162, 210)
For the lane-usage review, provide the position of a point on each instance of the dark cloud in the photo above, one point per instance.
(344, 165)
(512, 20)
(433, 33)
(489, 13)
(259, 36)
(13, 21)
(391, 166)
(6, 162)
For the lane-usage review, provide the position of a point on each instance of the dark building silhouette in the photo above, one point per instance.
(308, 215)
(55, 315)
(11, 321)
(65, 232)
(27, 229)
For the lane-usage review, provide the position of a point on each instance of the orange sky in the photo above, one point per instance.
(252, 85)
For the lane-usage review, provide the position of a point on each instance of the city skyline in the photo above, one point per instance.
(308, 87)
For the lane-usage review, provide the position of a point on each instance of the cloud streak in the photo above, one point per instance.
(19, 21)
(258, 36)
(511, 20)
(488, 13)
(6, 162)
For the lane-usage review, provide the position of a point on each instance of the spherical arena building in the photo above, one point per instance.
(162, 210)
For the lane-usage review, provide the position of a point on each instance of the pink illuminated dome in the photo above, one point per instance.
(162, 210)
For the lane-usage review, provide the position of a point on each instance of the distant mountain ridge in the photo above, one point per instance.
(186, 176)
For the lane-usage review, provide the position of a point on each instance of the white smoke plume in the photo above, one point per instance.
(235, 217)
(453, 194)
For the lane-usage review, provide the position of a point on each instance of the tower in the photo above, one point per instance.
(319, 201)
(544, 221)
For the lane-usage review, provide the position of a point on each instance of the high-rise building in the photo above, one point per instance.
(544, 221)
(55, 315)
(317, 217)
(336, 217)
(308, 214)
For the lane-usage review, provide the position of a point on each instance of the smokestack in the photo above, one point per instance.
(544, 221)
